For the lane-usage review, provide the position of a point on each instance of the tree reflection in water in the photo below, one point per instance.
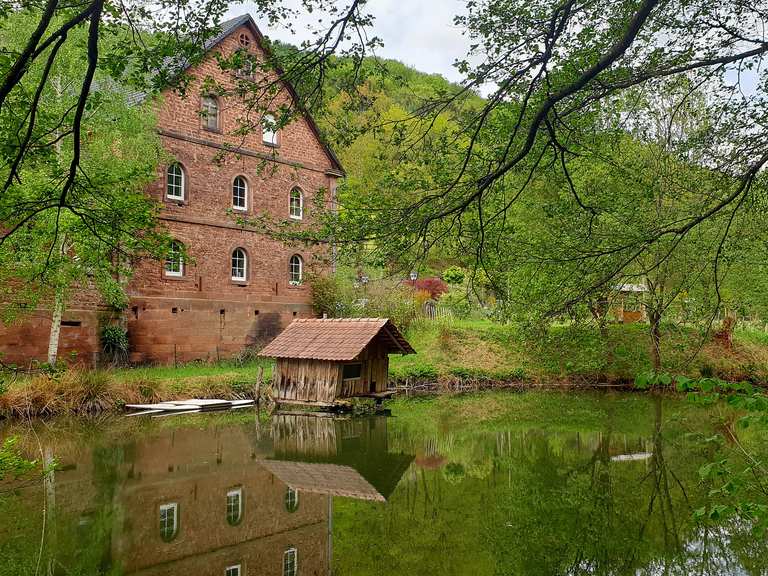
(428, 491)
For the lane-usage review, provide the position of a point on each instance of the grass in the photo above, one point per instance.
(456, 355)
(78, 391)
(573, 353)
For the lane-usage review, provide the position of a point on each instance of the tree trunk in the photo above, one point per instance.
(599, 313)
(655, 320)
(53, 339)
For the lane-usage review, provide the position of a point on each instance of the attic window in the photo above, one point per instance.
(245, 40)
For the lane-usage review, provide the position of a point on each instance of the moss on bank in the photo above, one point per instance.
(456, 355)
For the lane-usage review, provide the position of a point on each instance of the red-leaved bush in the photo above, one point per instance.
(435, 286)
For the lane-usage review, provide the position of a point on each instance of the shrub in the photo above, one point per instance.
(454, 275)
(114, 344)
(454, 473)
(12, 462)
(435, 286)
(419, 371)
(387, 300)
(328, 297)
(457, 302)
(333, 296)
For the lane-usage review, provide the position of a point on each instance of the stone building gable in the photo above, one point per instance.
(179, 115)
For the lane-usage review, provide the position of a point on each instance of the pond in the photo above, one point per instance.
(523, 484)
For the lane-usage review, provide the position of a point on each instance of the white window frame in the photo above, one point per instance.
(300, 215)
(295, 568)
(291, 281)
(163, 508)
(207, 116)
(183, 178)
(245, 265)
(269, 135)
(245, 193)
(295, 493)
(175, 273)
(239, 493)
(234, 570)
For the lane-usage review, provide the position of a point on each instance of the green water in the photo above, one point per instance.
(531, 484)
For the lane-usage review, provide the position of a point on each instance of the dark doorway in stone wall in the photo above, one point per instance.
(264, 327)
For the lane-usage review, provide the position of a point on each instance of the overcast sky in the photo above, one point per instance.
(419, 33)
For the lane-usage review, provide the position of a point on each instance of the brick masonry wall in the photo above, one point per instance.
(195, 470)
(204, 314)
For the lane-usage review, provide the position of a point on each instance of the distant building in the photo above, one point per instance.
(628, 305)
(236, 287)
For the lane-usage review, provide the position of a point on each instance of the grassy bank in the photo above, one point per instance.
(78, 391)
(573, 355)
(451, 356)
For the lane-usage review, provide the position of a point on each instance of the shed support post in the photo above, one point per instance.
(259, 382)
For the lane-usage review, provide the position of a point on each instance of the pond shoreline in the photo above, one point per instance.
(90, 393)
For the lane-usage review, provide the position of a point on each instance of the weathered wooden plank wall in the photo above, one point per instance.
(299, 435)
(321, 381)
(307, 380)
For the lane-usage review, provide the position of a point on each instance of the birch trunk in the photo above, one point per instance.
(58, 304)
(53, 339)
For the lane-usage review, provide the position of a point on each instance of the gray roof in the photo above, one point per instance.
(631, 288)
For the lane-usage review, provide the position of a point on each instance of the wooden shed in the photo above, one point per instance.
(320, 361)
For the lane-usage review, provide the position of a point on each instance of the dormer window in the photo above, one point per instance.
(210, 113)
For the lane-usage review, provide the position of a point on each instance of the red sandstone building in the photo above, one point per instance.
(236, 288)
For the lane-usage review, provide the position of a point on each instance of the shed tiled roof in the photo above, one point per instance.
(334, 338)
(330, 479)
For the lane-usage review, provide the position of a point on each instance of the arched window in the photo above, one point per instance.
(291, 499)
(239, 264)
(174, 261)
(169, 521)
(233, 570)
(290, 562)
(234, 506)
(295, 271)
(174, 186)
(210, 113)
(240, 193)
(296, 204)
(269, 130)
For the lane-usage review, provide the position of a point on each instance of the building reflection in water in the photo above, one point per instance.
(232, 501)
